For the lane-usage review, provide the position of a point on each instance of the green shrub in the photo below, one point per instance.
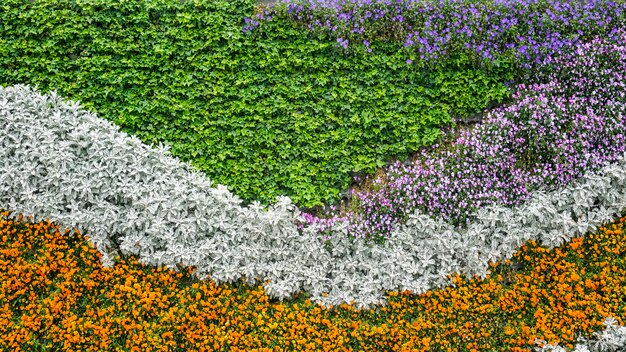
(280, 112)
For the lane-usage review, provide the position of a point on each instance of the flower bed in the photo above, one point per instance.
(532, 31)
(492, 252)
(58, 297)
(278, 114)
(60, 162)
(563, 122)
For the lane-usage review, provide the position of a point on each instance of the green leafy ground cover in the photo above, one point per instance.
(278, 112)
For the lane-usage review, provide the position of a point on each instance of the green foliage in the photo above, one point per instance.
(280, 112)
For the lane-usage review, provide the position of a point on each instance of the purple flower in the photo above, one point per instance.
(539, 28)
(562, 123)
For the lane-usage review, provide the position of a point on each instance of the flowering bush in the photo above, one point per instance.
(550, 135)
(531, 31)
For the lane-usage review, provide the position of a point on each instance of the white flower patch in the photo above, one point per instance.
(63, 163)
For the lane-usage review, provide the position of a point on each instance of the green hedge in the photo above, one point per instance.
(278, 112)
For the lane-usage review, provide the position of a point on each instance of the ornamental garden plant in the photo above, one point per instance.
(57, 296)
(566, 120)
(531, 31)
(238, 231)
(281, 112)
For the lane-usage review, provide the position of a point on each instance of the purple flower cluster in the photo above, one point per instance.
(570, 118)
(532, 31)
(250, 24)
